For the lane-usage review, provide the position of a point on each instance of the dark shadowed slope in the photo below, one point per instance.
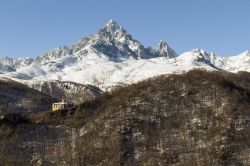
(15, 96)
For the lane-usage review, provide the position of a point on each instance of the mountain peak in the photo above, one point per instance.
(197, 50)
(165, 50)
(111, 22)
(162, 44)
(112, 25)
(15, 63)
(5, 60)
(110, 29)
(247, 52)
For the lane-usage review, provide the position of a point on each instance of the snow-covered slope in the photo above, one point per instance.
(97, 69)
(198, 57)
(11, 64)
(111, 57)
(238, 63)
(15, 63)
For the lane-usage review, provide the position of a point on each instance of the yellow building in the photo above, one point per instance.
(59, 106)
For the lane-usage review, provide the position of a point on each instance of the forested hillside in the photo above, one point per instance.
(197, 118)
(15, 96)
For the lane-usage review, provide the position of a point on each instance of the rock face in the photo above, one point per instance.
(115, 42)
(53, 55)
(165, 51)
(7, 61)
(11, 64)
(22, 62)
(16, 63)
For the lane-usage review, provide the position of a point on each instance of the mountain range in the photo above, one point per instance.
(180, 116)
(112, 57)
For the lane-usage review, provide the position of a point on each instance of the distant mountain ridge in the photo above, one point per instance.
(112, 41)
(11, 64)
(112, 57)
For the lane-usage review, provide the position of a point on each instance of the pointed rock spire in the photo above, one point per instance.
(111, 22)
(112, 25)
(165, 50)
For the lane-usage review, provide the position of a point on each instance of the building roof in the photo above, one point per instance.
(60, 103)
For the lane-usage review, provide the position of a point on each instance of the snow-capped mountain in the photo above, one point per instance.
(11, 64)
(198, 57)
(115, 42)
(238, 63)
(111, 57)
(16, 63)
(164, 50)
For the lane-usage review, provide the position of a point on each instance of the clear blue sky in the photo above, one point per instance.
(31, 27)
